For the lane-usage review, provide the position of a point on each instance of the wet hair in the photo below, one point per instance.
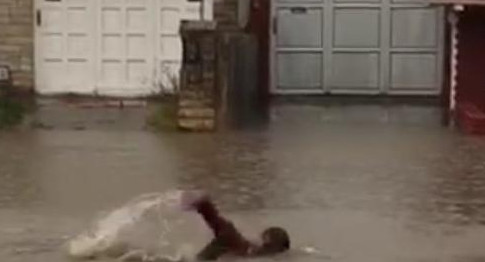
(275, 240)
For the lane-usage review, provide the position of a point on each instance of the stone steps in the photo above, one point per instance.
(196, 112)
(193, 95)
(192, 124)
(195, 103)
(196, 115)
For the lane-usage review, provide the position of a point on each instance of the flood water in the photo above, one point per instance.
(359, 183)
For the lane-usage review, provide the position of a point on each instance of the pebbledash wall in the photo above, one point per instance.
(17, 41)
(17, 36)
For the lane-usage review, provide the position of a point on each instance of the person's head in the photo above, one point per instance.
(275, 240)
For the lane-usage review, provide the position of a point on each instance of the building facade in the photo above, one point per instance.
(132, 47)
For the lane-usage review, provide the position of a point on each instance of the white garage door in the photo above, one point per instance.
(109, 47)
(356, 47)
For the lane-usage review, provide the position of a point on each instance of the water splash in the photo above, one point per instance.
(141, 229)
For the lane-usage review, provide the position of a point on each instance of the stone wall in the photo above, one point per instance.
(17, 41)
(225, 13)
(197, 102)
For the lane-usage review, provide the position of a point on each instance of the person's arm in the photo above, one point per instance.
(223, 229)
(219, 225)
(213, 250)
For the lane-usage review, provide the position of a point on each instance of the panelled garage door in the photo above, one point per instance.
(356, 47)
(109, 47)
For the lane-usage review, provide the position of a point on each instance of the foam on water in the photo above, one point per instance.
(142, 227)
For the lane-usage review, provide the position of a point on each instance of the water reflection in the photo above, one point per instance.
(18, 187)
(361, 184)
(234, 167)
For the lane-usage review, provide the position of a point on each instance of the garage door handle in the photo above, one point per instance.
(298, 10)
(38, 18)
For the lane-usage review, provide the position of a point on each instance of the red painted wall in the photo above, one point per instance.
(470, 90)
(471, 57)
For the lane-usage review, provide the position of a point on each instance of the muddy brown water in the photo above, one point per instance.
(359, 183)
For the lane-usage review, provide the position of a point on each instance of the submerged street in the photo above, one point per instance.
(359, 183)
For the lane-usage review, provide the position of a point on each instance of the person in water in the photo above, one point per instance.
(228, 240)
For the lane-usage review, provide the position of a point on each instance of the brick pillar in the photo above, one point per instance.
(198, 95)
(225, 13)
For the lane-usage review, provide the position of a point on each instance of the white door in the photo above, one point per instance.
(125, 47)
(168, 42)
(64, 46)
(110, 47)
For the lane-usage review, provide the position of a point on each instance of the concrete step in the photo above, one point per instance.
(196, 112)
(191, 103)
(196, 124)
(186, 94)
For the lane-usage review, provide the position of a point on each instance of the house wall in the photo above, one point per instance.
(17, 41)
